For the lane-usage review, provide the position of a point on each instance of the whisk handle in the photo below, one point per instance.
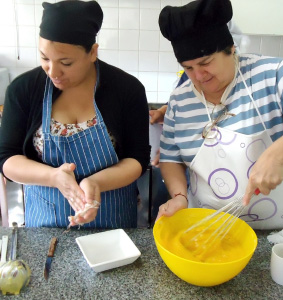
(257, 191)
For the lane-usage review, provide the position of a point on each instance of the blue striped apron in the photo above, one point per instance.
(91, 150)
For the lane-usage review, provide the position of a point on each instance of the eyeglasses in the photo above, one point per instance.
(209, 131)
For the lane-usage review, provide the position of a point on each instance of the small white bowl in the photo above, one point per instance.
(108, 250)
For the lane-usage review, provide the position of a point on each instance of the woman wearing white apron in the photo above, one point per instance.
(75, 130)
(225, 124)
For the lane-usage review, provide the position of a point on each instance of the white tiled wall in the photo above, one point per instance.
(129, 39)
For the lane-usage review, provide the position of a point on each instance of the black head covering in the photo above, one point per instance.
(198, 28)
(71, 22)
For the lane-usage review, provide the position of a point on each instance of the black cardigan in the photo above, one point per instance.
(120, 97)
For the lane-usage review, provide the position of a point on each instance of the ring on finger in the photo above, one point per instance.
(71, 200)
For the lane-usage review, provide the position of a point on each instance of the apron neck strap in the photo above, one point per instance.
(47, 106)
(227, 90)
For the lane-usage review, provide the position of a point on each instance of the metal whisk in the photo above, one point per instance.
(221, 223)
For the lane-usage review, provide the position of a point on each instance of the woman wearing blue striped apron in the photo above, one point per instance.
(80, 159)
(225, 124)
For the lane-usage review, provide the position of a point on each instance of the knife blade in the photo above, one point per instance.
(50, 255)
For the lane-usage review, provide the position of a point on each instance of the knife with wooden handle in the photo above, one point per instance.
(50, 255)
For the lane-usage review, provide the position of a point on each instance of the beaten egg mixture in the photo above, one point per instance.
(196, 245)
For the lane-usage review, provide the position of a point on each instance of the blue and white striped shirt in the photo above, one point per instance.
(187, 116)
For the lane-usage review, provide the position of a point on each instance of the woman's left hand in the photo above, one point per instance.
(118, 175)
(92, 195)
(172, 206)
(156, 116)
(267, 172)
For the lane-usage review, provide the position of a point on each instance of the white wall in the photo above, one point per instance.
(129, 38)
(259, 16)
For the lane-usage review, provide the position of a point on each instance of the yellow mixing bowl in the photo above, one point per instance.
(165, 231)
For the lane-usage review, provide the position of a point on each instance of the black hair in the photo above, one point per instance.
(227, 50)
(87, 47)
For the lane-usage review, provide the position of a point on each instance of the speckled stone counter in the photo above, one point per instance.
(147, 278)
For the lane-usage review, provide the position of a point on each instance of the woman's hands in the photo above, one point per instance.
(63, 178)
(267, 172)
(92, 199)
(157, 115)
(176, 183)
(119, 175)
(81, 197)
(172, 206)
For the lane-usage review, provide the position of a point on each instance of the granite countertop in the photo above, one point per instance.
(146, 278)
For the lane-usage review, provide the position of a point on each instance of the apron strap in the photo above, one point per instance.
(250, 95)
(47, 106)
(226, 92)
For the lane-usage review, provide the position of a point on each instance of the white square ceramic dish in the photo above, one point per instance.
(107, 250)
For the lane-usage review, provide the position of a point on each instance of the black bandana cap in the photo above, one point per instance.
(197, 29)
(71, 22)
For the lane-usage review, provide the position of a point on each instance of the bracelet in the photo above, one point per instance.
(180, 194)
